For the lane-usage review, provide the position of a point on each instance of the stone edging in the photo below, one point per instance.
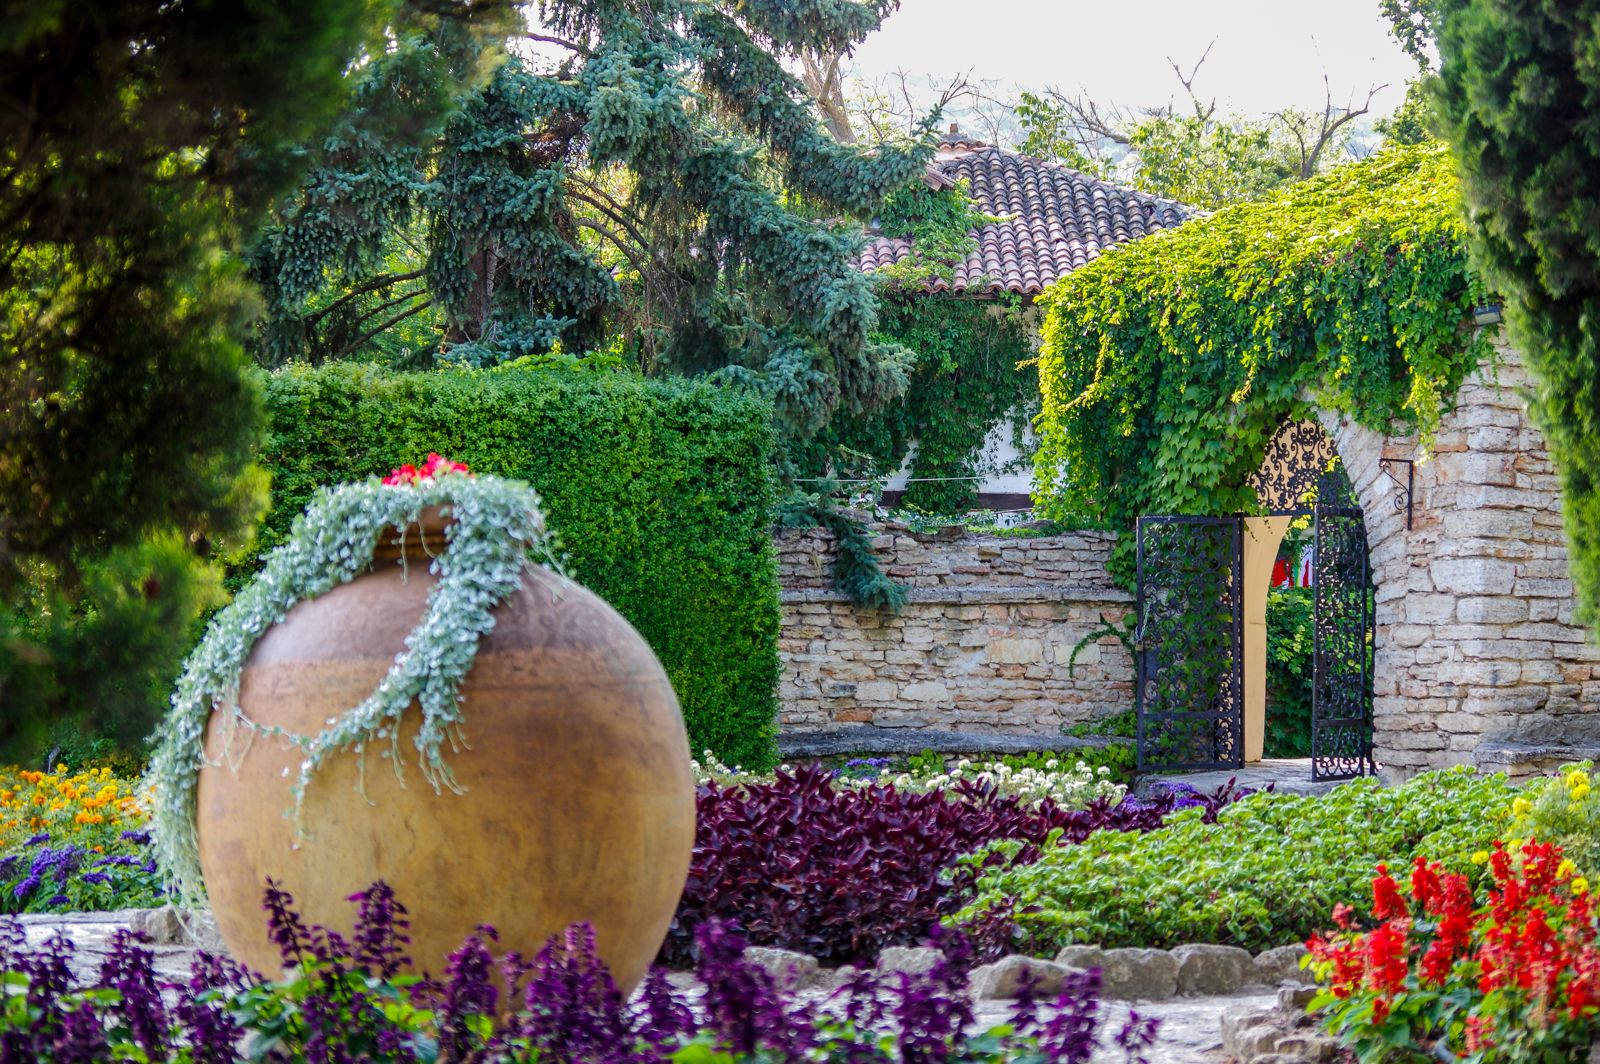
(1126, 974)
(984, 595)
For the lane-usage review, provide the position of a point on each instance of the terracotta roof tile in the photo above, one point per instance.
(1055, 220)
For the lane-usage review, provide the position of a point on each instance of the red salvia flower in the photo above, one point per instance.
(1386, 900)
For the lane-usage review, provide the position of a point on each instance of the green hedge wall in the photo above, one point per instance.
(661, 493)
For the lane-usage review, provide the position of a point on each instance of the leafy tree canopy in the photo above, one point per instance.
(1188, 152)
(1167, 364)
(662, 185)
(138, 140)
(1518, 96)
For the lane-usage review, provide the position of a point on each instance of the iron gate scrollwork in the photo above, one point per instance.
(1341, 694)
(1189, 694)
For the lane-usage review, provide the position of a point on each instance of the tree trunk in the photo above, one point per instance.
(479, 318)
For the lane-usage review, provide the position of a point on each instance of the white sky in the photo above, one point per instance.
(1268, 53)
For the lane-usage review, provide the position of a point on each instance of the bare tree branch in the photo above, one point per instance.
(1311, 144)
(1201, 111)
(382, 281)
(361, 341)
(819, 72)
(561, 41)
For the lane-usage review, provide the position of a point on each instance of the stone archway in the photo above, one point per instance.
(1302, 476)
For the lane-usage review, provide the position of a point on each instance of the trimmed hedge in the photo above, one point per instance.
(661, 494)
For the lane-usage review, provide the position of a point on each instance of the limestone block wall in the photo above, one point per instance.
(982, 645)
(1477, 656)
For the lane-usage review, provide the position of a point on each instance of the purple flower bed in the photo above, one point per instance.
(841, 872)
(348, 1001)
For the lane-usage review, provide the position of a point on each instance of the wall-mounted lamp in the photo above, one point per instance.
(1488, 314)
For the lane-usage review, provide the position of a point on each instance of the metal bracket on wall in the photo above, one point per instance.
(1402, 496)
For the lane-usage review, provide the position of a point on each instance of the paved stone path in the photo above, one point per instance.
(1190, 1031)
(1287, 775)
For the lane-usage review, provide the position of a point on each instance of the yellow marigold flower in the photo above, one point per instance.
(1565, 868)
(1580, 886)
(1580, 792)
(1520, 806)
(1481, 857)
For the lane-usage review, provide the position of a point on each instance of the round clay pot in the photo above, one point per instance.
(577, 803)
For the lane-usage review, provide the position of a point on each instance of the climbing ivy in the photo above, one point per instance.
(1167, 364)
(940, 224)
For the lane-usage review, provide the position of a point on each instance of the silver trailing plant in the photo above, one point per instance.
(497, 526)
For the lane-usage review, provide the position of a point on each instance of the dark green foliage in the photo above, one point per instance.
(138, 140)
(659, 183)
(1167, 365)
(1289, 650)
(1409, 122)
(661, 494)
(1518, 95)
(856, 571)
(965, 382)
(1415, 24)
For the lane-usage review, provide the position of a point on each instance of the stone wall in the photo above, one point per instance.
(982, 645)
(1477, 657)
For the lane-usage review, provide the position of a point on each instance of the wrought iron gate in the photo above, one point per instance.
(1189, 693)
(1341, 692)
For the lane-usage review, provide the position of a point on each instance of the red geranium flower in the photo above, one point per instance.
(434, 466)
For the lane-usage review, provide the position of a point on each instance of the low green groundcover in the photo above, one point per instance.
(1267, 873)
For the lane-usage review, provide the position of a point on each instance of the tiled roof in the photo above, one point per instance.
(1056, 219)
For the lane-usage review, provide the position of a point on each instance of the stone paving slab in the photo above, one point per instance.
(1190, 1030)
(1287, 776)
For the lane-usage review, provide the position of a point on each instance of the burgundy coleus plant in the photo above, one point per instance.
(842, 872)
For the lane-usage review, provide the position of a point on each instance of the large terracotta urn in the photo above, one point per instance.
(576, 803)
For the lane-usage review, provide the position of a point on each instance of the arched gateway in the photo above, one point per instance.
(1201, 608)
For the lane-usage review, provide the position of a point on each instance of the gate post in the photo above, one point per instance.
(1262, 538)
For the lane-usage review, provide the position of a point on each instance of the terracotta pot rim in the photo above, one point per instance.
(420, 540)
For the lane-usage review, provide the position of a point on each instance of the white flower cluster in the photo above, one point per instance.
(1072, 788)
(496, 525)
(710, 769)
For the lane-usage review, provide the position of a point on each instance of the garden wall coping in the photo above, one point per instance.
(876, 739)
(980, 595)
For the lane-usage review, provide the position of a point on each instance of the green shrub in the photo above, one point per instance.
(1267, 873)
(661, 494)
(1564, 809)
(1290, 638)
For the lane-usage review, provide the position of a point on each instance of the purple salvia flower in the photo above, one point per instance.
(1068, 1037)
(212, 1033)
(1138, 1034)
(80, 1038)
(35, 840)
(97, 878)
(660, 1017)
(284, 926)
(574, 1010)
(128, 969)
(469, 993)
(140, 837)
(380, 932)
